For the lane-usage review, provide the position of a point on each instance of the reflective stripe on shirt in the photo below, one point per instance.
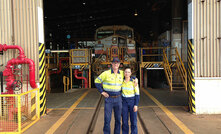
(112, 90)
(111, 84)
(131, 95)
(127, 88)
(99, 79)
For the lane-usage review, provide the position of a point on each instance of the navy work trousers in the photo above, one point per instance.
(127, 111)
(116, 105)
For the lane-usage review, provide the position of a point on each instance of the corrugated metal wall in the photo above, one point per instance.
(207, 38)
(6, 32)
(19, 26)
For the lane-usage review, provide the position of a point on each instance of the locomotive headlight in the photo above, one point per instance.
(114, 40)
(103, 58)
(126, 58)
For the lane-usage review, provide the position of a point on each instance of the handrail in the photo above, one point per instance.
(149, 54)
(121, 54)
(114, 52)
(181, 69)
(96, 62)
(49, 63)
(109, 54)
(21, 94)
(167, 70)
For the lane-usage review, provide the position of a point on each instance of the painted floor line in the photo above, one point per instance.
(140, 126)
(88, 108)
(180, 124)
(158, 106)
(77, 108)
(66, 114)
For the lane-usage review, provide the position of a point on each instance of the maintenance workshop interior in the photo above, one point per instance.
(51, 52)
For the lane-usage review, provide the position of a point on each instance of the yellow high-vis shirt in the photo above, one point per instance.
(129, 90)
(110, 81)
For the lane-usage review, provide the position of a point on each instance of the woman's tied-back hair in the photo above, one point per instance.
(127, 68)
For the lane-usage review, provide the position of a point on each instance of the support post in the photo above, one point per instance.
(89, 76)
(141, 83)
(145, 78)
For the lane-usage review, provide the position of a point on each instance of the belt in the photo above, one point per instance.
(115, 96)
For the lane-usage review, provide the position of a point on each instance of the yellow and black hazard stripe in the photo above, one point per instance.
(190, 76)
(42, 78)
(153, 65)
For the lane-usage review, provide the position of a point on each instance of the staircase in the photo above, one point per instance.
(167, 70)
(156, 58)
(175, 71)
(176, 81)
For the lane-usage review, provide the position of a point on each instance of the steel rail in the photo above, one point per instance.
(95, 115)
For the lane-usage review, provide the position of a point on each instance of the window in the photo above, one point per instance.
(126, 33)
(103, 34)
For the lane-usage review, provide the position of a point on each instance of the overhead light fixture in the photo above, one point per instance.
(135, 13)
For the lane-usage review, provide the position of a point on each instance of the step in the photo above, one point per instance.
(177, 83)
(178, 87)
(176, 76)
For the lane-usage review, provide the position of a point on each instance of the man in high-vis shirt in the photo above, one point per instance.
(109, 84)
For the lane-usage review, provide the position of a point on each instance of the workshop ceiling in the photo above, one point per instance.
(80, 18)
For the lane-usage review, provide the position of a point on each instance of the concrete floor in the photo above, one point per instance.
(155, 119)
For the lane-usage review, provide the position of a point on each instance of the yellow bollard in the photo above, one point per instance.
(66, 83)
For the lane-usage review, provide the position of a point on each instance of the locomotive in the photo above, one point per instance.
(114, 41)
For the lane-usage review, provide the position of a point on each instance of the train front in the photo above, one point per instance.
(111, 42)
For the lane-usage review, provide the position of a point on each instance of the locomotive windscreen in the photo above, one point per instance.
(125, 33)
(103, 34)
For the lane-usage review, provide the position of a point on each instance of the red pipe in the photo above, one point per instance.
(76, 76)
(4, 47)
(8, 72)
(57, 72)
(31, 64)
(10, 77)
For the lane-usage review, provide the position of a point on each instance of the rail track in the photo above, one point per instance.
(141, 125)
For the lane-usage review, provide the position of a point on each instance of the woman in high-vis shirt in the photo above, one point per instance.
(130, 100)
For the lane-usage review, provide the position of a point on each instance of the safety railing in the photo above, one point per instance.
(181, 69)
(167, 70)
(151, 54)
(119, 52)
(109, 53)
(51, 60)
(19, 111)
(114, 52)
(80, 56)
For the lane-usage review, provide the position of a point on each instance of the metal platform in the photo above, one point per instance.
(160, 112)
